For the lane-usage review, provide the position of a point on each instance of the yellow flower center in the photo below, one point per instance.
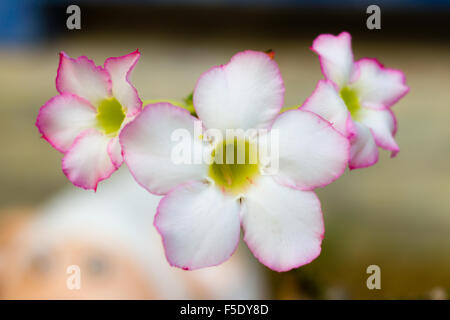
(110, 115)
(235, 165)
(351, 100)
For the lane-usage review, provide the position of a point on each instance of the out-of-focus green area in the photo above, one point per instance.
(395, 214)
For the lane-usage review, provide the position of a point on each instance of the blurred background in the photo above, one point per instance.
(395, 214)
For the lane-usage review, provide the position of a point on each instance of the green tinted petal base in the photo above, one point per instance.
(235, 165)
(351, 100)
(110, 116)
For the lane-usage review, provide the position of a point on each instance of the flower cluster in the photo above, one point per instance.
(97, 121)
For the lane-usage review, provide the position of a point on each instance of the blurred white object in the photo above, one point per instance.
(116, 224)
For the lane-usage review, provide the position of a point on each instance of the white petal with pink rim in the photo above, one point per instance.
(383, 126)
(283, 226)
(377, 86)
(200, 224)
(147, 145)
(120, 69)
(246, 93)
(336, 56)
(326, 102)
(83, 78)
(363, 150)
(87, 162)
(311, 153)
(63, 118)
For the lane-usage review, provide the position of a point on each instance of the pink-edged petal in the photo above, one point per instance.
(335, 56)
(378, 87)
(82, 77)
(363, 150)
(87, 162)
(246, 93)
(62, 118)
(311, 152)
(326, 102)
(283, 226)
(351, 129)
(115, 152)
(383, 125)
(199, 224)
(120, 69)
(148, 143)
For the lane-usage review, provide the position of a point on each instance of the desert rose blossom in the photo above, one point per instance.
(357, 98)
(205, 204)
(84, 120)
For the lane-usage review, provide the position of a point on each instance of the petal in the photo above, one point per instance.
(62, 118)
(311, 152)
(120, 69)
(363, 150)
(326, 102)
(383, 125)
(115, 152)
(246, 93)
(82, 77)
(377, 86)
(283, 227)
(147, 146)
(351, 130)
(87, 162)
(335, 56)
(199, 224)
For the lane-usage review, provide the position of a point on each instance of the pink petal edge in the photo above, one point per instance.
(350, 131)
(44, 106)
(66, 173)
(367, 164)
(124, 129)
(321, 37)
(138, 53)
(100, 69)
(302, 263)
(341, 172)
(388, 70)
(224, 66)
(394, 150)
(116, 164)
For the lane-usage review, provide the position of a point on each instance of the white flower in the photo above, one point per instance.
(84, 120)
(203, 207)
(356, 97)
